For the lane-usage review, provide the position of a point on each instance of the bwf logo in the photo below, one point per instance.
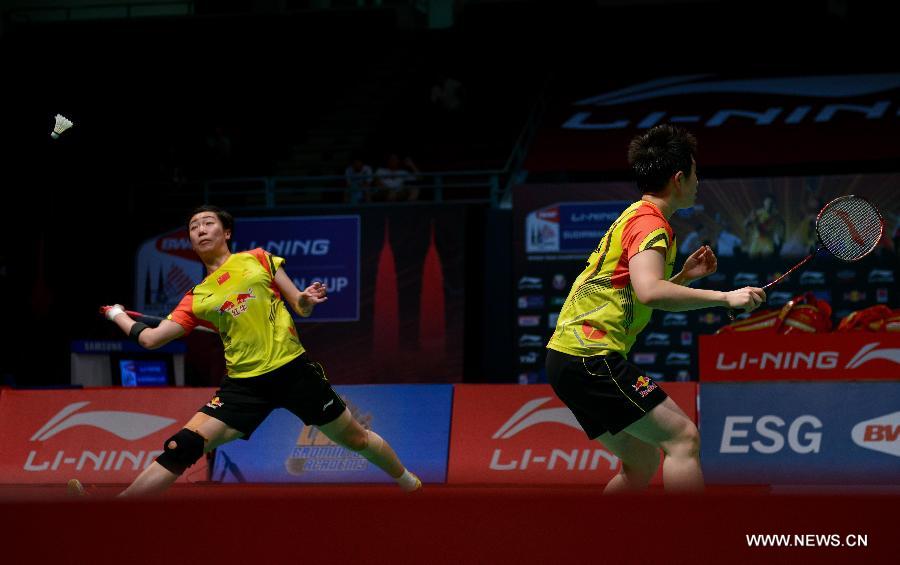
(879, 434)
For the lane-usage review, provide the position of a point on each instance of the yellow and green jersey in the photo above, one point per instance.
(602, 313)
(241, 301)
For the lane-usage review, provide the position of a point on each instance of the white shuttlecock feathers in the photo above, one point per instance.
(62, 124)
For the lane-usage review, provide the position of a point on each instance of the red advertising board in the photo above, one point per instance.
(526, 435)
(821, 357)
(99, 435)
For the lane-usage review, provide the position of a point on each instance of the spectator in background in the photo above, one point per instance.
(220, 149)
(391, 179)
(766, 229)
(359, 179)
(807, 234)
(694, 240)
(447, 94)
(728, 244)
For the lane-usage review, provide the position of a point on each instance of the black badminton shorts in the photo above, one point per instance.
(299, 386)
(606, 393)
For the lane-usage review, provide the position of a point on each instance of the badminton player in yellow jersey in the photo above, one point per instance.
(628, 276)
(243, 298)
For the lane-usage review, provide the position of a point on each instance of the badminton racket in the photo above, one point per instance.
(154, 321)
(849, 227)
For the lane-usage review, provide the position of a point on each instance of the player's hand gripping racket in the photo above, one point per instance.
(849, 227)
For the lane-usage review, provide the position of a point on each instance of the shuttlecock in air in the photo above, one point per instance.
(62, 124)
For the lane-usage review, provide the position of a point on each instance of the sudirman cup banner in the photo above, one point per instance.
(322, 248)
(415, 419)
(761, 433)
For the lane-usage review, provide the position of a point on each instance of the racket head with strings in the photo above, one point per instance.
(849, 227)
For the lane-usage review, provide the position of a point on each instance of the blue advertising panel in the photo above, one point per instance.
(569, 227)
(322, 249)
(800, 433)
(414, 419)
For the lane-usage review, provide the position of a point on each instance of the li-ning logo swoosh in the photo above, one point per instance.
(126, 425)
(825, 86)
(866, 354)
(528, 416)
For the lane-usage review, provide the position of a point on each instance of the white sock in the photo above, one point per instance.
(408, 481)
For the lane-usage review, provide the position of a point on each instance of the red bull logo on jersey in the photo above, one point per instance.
(644, 386)
(236, 304)
(215, 403)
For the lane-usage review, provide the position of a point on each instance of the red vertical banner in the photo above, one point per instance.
(386, 337)
(432, 319)
(526, 435)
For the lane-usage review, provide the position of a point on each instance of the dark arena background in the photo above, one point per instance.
(446, 167)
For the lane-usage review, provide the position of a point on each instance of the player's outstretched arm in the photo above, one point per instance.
(301, 302)
(149, 338)
(647, 270)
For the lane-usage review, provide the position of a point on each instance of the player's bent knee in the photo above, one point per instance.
(181, 451)
(692, 438)
(686, 443)
(372, 445)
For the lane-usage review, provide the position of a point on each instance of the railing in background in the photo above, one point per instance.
(277, 192)
(100, 11)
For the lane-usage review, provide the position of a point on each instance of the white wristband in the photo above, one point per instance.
(113, 312)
